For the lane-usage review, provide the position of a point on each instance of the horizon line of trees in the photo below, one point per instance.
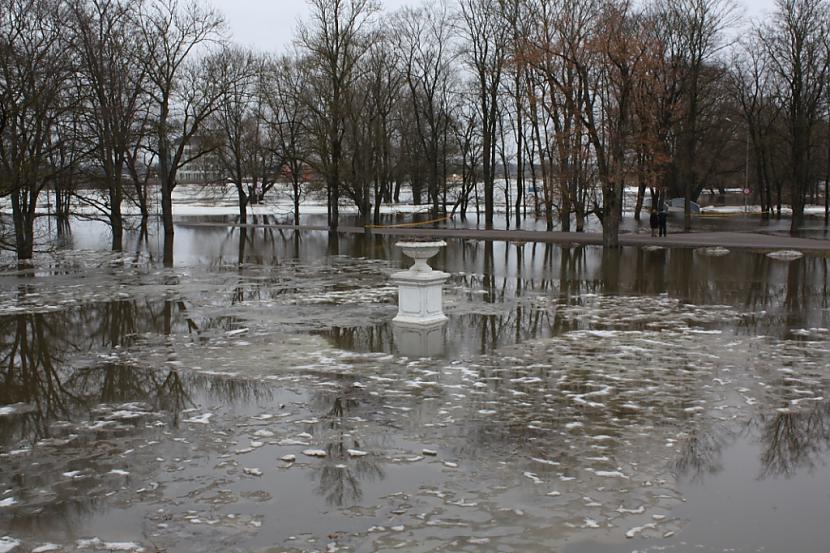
(557, 105)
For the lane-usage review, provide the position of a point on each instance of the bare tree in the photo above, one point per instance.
(285, 114)
(334, 41)
(487, 35)
(183, 92)
(795, 40)
(236, 126)
(423, 40)
(36, 96)
(696, 31)
(752, 85)
(622, 50)
(113, 76)
(385, 83)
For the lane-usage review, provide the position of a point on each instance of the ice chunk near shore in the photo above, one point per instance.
(8, 502)
(716, 251)
(122, 546)
(532, 476)
(638, 511)
(314, 453)
(608, 473)
(8, 544)
(201, 419)
(15, 409)
(785, 255)
(639, 529)
(47, 547)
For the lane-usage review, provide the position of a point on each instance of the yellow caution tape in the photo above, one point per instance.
(734, 214)
(404, 225)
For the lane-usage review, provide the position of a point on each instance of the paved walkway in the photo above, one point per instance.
(729, 240)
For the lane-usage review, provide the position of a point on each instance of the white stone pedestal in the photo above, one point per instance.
(420, 294)
(420, 297)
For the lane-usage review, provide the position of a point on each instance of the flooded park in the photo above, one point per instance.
(367, 276)
(257, 396)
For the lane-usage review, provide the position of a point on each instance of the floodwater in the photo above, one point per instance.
(256, 397)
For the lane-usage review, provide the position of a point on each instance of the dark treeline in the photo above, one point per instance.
(549, 108)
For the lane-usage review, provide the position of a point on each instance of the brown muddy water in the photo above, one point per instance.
(256, 397)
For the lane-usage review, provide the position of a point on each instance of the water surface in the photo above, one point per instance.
(577, 400)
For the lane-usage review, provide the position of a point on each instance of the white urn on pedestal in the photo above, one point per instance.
(420, 294)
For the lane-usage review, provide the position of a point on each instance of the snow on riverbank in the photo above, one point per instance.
(215, 200)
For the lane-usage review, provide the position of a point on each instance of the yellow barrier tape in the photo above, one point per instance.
(405, 225)
(734, 214)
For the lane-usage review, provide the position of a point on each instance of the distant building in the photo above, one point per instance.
(308, 174)
(205, 169)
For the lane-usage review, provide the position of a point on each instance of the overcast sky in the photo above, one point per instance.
(270, 25)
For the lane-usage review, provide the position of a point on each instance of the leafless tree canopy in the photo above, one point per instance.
(550, 108)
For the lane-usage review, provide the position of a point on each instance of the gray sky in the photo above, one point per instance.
(270, 25)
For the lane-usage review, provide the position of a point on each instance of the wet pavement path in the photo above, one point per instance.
(729, 240)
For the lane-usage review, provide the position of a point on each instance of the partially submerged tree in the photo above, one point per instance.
(333, 43)
(795, 40)
(423, 43)
(486, 46)
(284, 112)
(183, 90)
(236, 126)
(36, 95)
(112, 79)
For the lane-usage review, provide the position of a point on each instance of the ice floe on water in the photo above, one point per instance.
(785, 255)
(204, 418)
(16, 409)
(47, 547)
(197, 433)
(716, 251)
(8, 544)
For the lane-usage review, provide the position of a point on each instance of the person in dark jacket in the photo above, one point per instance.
(654, 221)
(663, 219)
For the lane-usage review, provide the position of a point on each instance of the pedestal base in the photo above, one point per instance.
(420, 297)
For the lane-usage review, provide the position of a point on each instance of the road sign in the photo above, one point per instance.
(747, 191)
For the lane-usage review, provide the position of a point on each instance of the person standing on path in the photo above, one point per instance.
(654, 222)
(662, 220)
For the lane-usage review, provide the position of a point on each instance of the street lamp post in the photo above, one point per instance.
(746, 190)
(746, 175)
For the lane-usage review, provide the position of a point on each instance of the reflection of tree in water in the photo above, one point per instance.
(789, 441)
(34, 349)
(114, 383)
(701, 450)
(31, 372)
(40, 367)
(362, 339)
(339, 475)
(794, 441)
